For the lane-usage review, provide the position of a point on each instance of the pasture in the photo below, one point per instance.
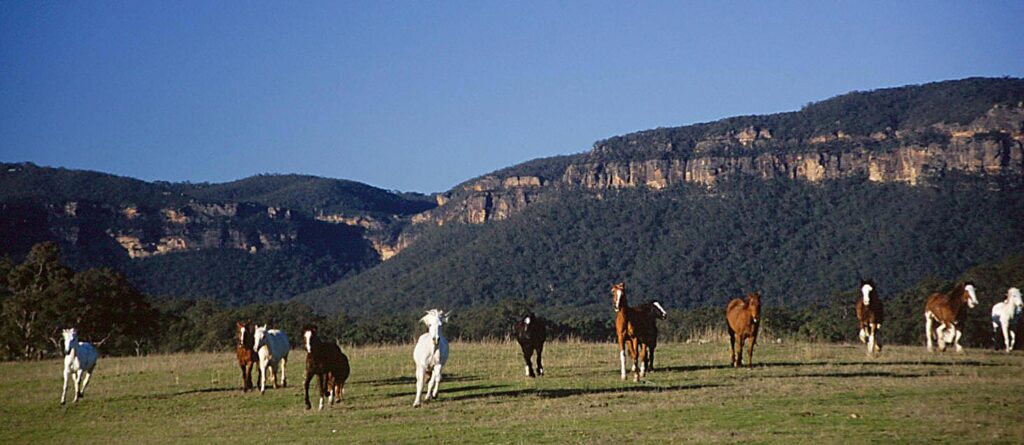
(796, 392)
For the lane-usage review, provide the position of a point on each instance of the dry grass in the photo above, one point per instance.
(795, 393)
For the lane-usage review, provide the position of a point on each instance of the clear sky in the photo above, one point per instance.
(419, 96)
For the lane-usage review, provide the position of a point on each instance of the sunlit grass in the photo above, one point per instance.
(796, 392)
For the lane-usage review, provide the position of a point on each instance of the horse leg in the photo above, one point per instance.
(650, 359)
(263, 376)
(437, 381)
(863, 334)
(633, 356)
(85, 382)
(284, 378)
(740, 339)
(622, 356)
(874, 336)
(309, 376)
(956, 335)
(526, 358)
(419, 385)
(540, 365)
(871, 338)
(732, 347)
(64, 393)
(1013, 339)
(643, 358)
(321, 386)
(76, 376)
(928, 330)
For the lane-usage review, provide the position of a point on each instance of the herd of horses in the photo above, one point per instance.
(635, 327)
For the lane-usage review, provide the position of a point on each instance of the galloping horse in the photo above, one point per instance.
(431, 354)
(743, 319)
(870, 314)
(1005, 315)
(946, 310)
(626, 329)
(647, 333)
(531, 333)
(272, 346)
(245, 353)
(330, 366)
(79, 361)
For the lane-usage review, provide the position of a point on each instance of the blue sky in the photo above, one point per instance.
(420, 96)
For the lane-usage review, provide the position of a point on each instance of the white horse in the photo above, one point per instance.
(272, 346)
(430, 354)
(1005, 315)
(79, 361)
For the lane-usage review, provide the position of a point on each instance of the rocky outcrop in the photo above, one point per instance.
(993, 144)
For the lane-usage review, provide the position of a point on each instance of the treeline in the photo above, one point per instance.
(41, 295)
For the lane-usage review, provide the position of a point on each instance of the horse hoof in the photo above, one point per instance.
(63, 402)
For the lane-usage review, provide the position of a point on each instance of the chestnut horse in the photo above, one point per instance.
(626, 329)
(245, 353)
(946, 309)
(870, 314)
(743, 319)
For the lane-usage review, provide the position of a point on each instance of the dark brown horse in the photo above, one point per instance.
(744, 318)
(330, 366)
(946, 310)
(870, 314)
(647, 329)
(626, 329)
(531, 332)
(247, 357)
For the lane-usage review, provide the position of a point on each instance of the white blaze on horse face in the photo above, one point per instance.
(617, 292)
(526, 320)
(308, 335)
(973, 300)
(664, 313)
(866, 291)
(69, 338)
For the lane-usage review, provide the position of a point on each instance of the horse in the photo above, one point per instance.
(626, 329)
(531, 332)
(648, 332)
(330, 366)
(870, 314)
(743, 320)
(946, 309)
(245, 353)
(272, 346)
(431, 354)
(79, 362)
(1005, 315)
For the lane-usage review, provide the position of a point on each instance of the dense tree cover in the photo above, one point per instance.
(312, 195)
(41, 295)
(794, 241)
(857, 113)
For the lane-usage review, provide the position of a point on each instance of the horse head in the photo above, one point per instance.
(528, 318)
(618, 295)
(867, 287)
(969, 294)
(70, 340)
(434, 320)
(659, 311)
(259, 337)
(1014, 298)
(309, 333)
(754, 305)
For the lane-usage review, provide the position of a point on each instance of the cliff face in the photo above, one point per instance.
(993, 144)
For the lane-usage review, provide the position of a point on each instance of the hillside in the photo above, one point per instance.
(898, 184)
(258, 239)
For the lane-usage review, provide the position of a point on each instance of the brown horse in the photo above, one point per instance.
(247, 357)
(330, 366)
(744, 318)
(946, 310)
(870, 314)
(647, 329)
(626, 330)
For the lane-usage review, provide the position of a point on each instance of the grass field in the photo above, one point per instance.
(795, 393)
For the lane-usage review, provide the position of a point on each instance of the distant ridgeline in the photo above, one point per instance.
(897, 184)
(262, 238)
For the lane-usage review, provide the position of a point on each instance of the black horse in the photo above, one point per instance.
(531, 334)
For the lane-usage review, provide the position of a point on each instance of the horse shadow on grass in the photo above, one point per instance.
(557, 393)
(757, 365)
(411, 380)
(169, 395)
